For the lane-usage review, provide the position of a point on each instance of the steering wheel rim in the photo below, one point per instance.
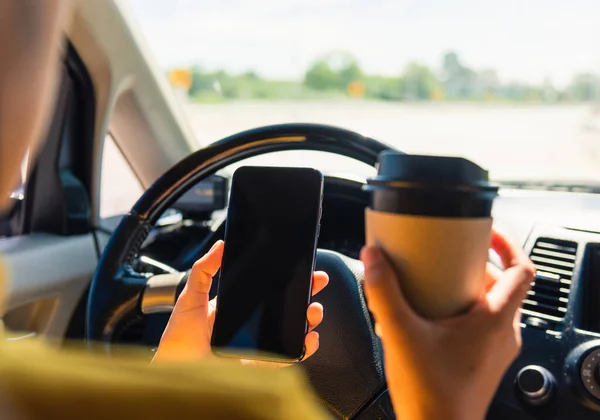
(249, 143)
(116, 288)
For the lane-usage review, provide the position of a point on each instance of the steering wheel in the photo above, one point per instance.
(347, 370)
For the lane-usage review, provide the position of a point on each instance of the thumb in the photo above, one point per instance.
(187, 335)
(198, 285)
(382, 290)
(508, 292)
(507, 295)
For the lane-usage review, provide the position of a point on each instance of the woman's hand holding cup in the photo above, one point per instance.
(448, 368)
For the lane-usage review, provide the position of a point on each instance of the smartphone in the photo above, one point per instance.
(265, 283)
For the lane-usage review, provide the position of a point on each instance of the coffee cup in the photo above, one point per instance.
(431, 216)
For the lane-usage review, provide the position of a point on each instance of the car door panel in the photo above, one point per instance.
(46, 276)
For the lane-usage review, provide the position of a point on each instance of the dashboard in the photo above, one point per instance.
(557, 374)
(178, 239)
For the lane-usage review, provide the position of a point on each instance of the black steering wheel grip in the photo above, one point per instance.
(347, 371)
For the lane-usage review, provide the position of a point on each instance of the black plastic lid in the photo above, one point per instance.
(431, 186)
(423, 170)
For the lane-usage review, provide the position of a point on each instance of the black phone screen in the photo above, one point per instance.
(266, 274)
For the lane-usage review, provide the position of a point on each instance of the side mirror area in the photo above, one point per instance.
(205, 197)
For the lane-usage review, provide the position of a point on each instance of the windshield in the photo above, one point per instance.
(513, 85)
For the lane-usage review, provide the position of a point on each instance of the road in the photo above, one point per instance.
(512, 141)
(527, 141)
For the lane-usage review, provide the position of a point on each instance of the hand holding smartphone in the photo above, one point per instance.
(266, 274)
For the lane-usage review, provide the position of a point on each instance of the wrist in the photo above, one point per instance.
(440, 412)
(434, 408)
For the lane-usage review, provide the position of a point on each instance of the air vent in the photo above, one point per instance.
(546, 304)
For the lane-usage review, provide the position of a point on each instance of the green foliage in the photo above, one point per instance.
(200, 81)
(349, 74)
(209, 86)
(385, 88)
(419, 82)
(321, 77)
(331, 77)
(585, 87)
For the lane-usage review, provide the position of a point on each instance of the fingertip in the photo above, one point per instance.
(527, 275)
(374, 264)
(495, 233)
(378, 331)
(378, 273)
(209, 264)
(311, 343)
(530, 270)
(314, 315)
(507, 295)
(217, 246)
(315, 307)
(322, 276)
(370, 256)
(320, 281)
(510, 253)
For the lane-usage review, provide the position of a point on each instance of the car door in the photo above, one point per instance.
(51, 242)
(48, 246)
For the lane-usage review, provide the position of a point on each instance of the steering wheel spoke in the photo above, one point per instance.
(161, 291)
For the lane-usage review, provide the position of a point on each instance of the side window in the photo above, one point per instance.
(119, 186)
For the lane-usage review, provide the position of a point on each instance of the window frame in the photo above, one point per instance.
(58, 184)
(109, 221)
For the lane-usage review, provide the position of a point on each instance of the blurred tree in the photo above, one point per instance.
(251, 75)
(487, 85)
(335, 71)
(516, 91)
(459, 81)
(585, 87)
(418, 82)
(201, 81)
(549, 92)
(320, 77)
(339, 74)
(350, 73)
(229, 86)
(386, 88)
(451, 63)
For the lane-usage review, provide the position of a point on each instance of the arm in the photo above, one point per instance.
(451, 368)
(42, 382)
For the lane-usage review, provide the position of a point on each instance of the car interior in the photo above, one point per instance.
(112, 281)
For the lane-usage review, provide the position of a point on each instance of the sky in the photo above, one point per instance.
(523, 40)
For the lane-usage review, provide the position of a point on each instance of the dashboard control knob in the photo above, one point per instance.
(582, 369)
(535, 384)
(590, 373)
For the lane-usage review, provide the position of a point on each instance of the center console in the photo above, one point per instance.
(557, 374)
